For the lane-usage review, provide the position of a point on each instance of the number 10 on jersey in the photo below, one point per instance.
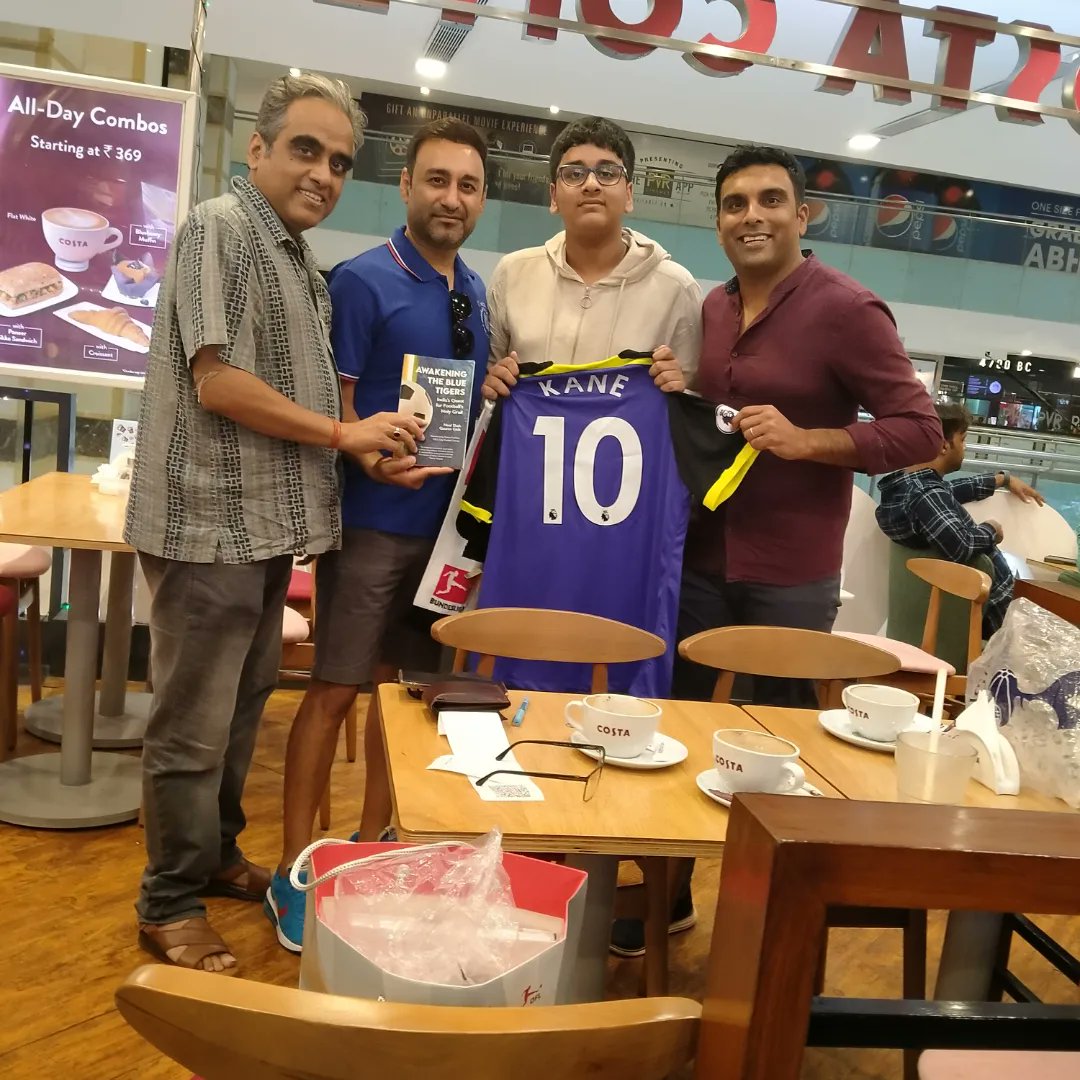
(552, 429)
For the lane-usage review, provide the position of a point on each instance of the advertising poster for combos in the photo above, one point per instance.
(88, 211)
(914, 211)
(382, 156)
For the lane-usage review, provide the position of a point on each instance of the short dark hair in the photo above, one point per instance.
(452, 130)
(743, 157)
(593, 131)
(954, 418)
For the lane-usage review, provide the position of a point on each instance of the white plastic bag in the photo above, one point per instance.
(440, 913)
(1031, 671)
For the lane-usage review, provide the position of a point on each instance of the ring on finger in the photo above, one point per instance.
(396, 433)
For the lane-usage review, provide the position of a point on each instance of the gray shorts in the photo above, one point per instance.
(364, 609)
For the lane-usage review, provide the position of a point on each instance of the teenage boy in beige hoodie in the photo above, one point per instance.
(589, 293)
(596, 288)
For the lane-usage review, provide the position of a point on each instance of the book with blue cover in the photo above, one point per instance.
(438, 393)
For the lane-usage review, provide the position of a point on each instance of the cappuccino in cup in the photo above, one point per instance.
(77, 236)
(747, 760)
(623, 725)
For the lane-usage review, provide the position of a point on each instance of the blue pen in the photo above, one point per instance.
(519, 716)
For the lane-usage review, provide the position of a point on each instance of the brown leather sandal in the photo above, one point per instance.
(242, 881)
(195, 936)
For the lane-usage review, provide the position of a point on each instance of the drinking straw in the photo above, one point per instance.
(938, 711)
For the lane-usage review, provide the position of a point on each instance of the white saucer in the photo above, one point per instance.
(837, 722)
(709, 784)
(663, 752)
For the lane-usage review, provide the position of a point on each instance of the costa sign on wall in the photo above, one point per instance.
(870, 48)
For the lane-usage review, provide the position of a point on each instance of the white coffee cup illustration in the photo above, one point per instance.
(77, 236)
(623, 725)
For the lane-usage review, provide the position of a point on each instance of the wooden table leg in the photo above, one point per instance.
(765, 948)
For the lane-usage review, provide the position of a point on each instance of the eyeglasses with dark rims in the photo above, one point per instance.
(607, 174)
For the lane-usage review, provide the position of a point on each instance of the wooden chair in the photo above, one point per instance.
(830, 661)
(569, 636)
(298, 657)
(228, 1028)
(1016, 1065)
(919, 666)
(537, 634)
(21, 568)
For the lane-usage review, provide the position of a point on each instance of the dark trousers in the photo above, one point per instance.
(707, 602)
(215, 634)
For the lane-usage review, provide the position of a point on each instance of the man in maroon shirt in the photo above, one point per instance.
(797, 347)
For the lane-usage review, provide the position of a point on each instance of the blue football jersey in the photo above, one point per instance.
(580, 499)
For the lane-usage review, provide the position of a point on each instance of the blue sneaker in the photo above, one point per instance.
(284, 907)
(387, 836)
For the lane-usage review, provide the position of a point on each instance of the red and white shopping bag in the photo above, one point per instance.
(546, 895)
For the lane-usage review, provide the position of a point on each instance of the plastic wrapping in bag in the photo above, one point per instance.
(1031, 671)
(442, 914)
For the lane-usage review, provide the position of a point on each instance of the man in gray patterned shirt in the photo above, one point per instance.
(235, 473)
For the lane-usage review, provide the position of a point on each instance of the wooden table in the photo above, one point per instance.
(634, 812)
(79, 788)
(971, 938)
(1056, 596)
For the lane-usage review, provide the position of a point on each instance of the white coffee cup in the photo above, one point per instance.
(623, 725)
(748, 760)
(879, 712)
(77, 236)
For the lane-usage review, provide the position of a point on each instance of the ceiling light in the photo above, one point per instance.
(425, 90)
(294, 72)
(863, 142)
(1025, 352)
(428, 68)
(553, 109)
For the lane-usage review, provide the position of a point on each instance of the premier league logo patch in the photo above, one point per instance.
(725, 419)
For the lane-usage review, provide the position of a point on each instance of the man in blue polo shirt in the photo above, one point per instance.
(412, 294)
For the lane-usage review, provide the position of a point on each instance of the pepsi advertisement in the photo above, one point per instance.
(927, 213)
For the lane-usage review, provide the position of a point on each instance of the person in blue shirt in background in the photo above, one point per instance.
(412, 294)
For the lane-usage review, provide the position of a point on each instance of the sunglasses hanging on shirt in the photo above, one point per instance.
(460, 310)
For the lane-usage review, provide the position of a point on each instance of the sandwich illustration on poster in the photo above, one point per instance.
(90, 194)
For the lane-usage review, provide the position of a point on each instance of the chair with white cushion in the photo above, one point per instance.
(21, 569)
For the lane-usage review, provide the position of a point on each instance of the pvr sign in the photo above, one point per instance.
(870, 49)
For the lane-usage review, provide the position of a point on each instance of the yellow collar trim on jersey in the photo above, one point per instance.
(730, 478)
(572, 369)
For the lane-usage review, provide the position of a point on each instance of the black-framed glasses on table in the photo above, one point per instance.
(460, 310)
(590, 782)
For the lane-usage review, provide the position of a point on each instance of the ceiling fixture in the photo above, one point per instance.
(863, 142)
(553, 109)
(1025, 352)
(425, 90)
(427, 68)
(294, 72)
